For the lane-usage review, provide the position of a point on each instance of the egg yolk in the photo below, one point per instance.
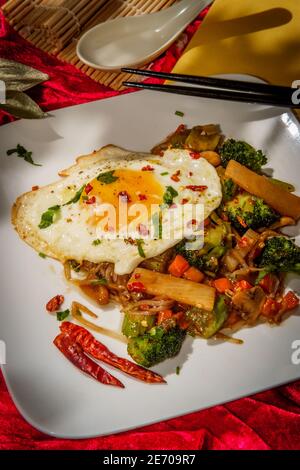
(128, 187)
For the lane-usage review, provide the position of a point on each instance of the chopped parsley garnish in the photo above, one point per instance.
(96, 242)
(169, 195)
(42, 255)
(61, 316)
(177, 370)
(23, 153)
(164, 173)
(48, 217)
(76, 197)
(99, 282)
(140, 248)
(179, 113)
(107, 177)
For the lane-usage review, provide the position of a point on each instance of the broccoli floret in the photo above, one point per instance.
(156, 345)
(280, 254)
(206, 259)
(229, 188)
(243, 153)
(247, 211)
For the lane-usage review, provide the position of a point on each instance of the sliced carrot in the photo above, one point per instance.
(268, 283)
(164, 315)
(222, 284)
(178, 266)
(193, 274)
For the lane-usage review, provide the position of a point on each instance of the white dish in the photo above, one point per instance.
(51, 393)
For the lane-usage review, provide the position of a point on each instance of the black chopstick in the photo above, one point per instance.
(220, 94)
(224, 83)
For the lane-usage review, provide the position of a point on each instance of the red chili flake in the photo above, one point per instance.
(195, 155)
(193, 223)
(92, 200)
(180, 129)
(124, 196)
(184, 201)
(137, 276)
(196, 187)
(243, 242)
(54, 304)
(190, 173)
(88, 188)
(142, 229)
(142, 197)
(35, 188)
(175, 177)
(136, 287)
(147, 168)
(242, 222)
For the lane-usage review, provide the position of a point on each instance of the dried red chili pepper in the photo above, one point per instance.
(96, 349)
(74, 352)
(54, 303)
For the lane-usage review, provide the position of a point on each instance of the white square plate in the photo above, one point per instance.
(51, 393)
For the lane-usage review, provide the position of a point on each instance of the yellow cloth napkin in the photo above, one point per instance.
(260, 38)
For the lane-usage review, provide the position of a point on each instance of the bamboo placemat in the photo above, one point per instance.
(56, 25)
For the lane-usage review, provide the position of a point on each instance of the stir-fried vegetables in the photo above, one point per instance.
(243, 153)
(156, 345)
(181, 290)
(274, 195)
(247, 211)
(206, 324)
(280, 254)
(215, 246)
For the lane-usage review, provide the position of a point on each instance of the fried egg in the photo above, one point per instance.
(65, 220)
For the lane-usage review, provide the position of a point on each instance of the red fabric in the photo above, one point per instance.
(269, 420)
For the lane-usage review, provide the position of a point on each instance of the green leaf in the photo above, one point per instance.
(21, 105)
(107, 177)
(20, 77)
(179, 113)
(96, 242)
(263, 274)
(47, 218)
(76, 197)
(22, 153)
(99, 282)
(169, 195)
(61, 316)
(42, 255)
(140, 248)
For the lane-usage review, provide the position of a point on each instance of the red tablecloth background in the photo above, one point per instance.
(268, 420)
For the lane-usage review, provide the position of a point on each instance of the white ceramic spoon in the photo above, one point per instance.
(136, 40)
